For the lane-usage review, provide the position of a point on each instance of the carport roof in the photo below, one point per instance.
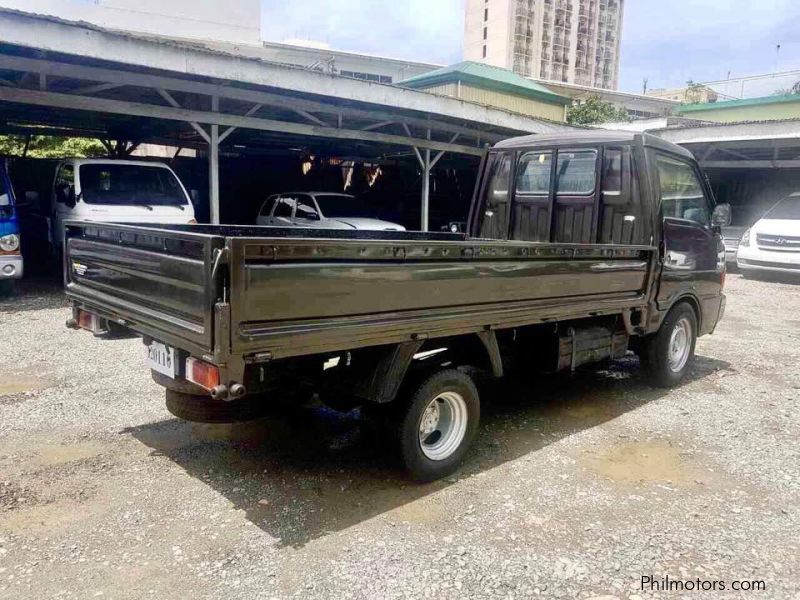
(118, 84)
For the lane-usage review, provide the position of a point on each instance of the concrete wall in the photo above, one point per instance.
(499, 32)
(237, 21)
(511, 102)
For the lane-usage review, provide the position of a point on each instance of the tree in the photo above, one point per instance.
(594, 110)
(45, 146)
(792, 91)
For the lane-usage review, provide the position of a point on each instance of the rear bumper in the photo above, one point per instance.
(11, 266)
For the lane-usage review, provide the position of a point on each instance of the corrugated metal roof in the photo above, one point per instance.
(487, 76)
(761, 101)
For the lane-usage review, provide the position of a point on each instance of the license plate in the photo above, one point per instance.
(161, 358)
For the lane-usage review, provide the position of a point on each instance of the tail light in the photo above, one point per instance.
(202, 373)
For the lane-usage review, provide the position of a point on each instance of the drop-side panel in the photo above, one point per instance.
(156, 281)
(293, 296)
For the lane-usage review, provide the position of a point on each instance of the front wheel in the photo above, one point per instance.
(437, 422)
(670, 353)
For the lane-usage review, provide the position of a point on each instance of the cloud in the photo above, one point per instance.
(421, 30)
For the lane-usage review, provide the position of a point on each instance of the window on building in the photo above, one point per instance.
(484, 52)
(485, 32)
(485, 14)
(367, 76)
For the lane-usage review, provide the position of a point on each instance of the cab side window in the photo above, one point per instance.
(65, 183)
(531, 213)
(576, 181)
(494, 220)
(682, 195)
(620, 212)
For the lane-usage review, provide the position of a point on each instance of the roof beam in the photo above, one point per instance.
(69, 101)
(751, 164)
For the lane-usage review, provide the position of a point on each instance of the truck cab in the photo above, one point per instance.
(11, 265)
(117, 191)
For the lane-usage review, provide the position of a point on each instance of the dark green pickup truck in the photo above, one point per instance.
(579, 246)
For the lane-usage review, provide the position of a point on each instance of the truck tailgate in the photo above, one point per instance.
(158, 282)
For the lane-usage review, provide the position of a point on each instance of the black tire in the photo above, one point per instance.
(408, 415)
(656, 350)
(204, 409)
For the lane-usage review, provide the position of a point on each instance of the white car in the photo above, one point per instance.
(773, 243)
(320, 210)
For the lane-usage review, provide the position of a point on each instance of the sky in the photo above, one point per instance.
(666, 41)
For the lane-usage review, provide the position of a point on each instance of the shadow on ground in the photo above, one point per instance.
(43, 290)
(309, 472)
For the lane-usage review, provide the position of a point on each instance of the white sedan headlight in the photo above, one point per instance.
(745, 241)
(9, 243)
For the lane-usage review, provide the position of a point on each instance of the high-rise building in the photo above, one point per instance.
(574, 41)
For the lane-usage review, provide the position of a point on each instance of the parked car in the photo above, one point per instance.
(320, 210)
(114, 191)
(578, 247)
(11, 266)
(773, 243)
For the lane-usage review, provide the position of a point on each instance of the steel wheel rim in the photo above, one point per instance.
(443, 425)
(680, 345)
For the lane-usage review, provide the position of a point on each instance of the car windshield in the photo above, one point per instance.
(334, 205)
(788, 208)
(139, 185)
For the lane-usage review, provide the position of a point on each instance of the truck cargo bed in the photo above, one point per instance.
(287, 292)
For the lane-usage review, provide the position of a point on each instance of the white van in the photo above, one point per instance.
(117, 191)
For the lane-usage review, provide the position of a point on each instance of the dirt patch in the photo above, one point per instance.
(646, 463)
(16, 386)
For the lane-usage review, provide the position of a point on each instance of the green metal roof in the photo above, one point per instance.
(764, 100)
(487, 77)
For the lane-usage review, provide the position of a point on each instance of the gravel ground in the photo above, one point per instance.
(577, 487)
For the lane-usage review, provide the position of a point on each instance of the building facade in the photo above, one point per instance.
(573, 41)
(495, 87)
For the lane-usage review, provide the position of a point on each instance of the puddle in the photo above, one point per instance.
(645, 462)
(17, 383)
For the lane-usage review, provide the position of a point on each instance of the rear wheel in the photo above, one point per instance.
(669, 354)
(435, 424)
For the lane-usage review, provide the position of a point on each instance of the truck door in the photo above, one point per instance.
(690, 246)
(63, 201)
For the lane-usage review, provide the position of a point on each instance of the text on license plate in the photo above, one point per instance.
(161, 358)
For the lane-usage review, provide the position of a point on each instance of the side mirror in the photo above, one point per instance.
(5, 200)
(722, 215)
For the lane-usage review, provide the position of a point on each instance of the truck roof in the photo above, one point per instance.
(593, 136)
(114, 161)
